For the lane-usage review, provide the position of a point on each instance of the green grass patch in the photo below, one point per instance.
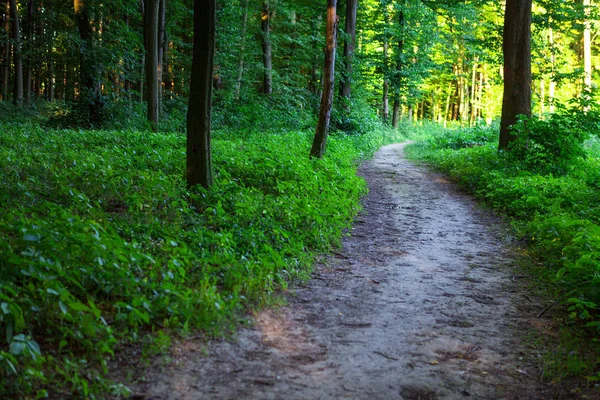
(101, 241)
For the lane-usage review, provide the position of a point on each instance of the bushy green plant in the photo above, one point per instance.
(101, 240)
(553, 145)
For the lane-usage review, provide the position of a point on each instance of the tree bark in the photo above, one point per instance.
(399, 66)
(517, 67)
(320, 139)
(552, 86)
(29, 59)
(162, 10)
(18, 61)
(587, 47)
(198, 154)
(349, 44)
(266, 48)
(386, 84)
(238, 87)
(6, 53)
(151, 29)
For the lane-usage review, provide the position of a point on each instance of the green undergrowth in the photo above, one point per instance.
(101, 242)
(550, 191)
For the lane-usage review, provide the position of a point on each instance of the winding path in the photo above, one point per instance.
(418, 304)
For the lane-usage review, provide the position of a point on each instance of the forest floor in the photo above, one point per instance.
(423, 301)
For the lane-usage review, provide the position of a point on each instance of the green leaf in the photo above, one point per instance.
(62, 307)
(31, 238)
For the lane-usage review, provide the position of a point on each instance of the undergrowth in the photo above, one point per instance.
(548, 184)
(101, 241)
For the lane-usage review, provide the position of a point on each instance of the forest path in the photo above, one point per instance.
(420, 303)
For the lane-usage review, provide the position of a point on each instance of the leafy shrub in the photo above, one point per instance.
(101, 240)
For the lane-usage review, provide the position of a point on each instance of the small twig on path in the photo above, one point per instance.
(357, 324)
(544, 310)
(382, 354)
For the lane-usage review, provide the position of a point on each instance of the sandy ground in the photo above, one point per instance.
(421, 302)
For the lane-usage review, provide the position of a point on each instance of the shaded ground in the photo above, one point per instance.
(420, 303)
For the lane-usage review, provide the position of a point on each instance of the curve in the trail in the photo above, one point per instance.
(414, 306)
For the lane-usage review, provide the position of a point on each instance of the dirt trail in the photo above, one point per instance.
(416, 305)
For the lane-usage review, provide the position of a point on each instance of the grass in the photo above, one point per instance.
(101, 242)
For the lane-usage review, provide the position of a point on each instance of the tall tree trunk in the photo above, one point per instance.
(6, 53)
(266, 48)
(473, 95)
(587, 47)
(162, 10)
(320, 139)
(238, 86)
(399, 66)
(386, 84)
(198, 154)
(447, 108)
(151, 29)
(552, 87)
(517, 67)
(28, 72)
(349, 44)
(18, 61)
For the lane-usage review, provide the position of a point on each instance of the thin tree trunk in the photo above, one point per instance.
(473, 96)
(198, 152)
(349, 44)
(399, 66)
(28, 73)
(151, 28)
(448, 96)
(238, 87)
(320, 139)
(587, 48)
(552, 86)
(542, 97)
(386, 84)
(161, 50)
(517, 67)
(266, 48)
(6, 54)
(18, 61)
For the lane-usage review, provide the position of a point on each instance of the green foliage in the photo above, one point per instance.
(100, 240)
(559, 216)
(552, 145)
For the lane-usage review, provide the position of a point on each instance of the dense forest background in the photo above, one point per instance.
(104, 246)
(424, 60)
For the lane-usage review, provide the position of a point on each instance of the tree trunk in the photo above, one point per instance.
(161, 50)
(386, 84)
(6, 54)
(473, 95)
(238, 87)
(28, 74)
(349, 44)
(552, 86)
(198, 154)
(320, 139)
(151, 29)
(266, 48)
(447, 108)
(399, 65)
(517, 67)
(18, 61)
(587, 48)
